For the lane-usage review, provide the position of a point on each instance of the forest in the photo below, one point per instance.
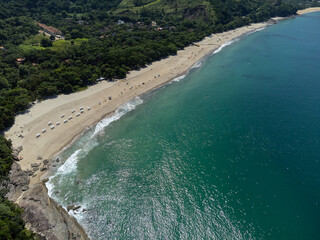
(98, 39)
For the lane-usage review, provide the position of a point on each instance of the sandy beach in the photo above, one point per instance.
(308, 10)
(103, 99)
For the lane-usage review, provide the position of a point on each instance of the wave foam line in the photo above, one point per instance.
(224, 45)
(121, 111)
(69, 166)
(258, 30)
(196, 65)
(177, 79)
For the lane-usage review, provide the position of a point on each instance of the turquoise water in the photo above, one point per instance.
(229, 152)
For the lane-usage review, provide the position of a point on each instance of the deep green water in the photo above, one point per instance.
(229, 152)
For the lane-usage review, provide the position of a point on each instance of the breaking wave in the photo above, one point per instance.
(121, 111)
(224, 45)
(87, 143)
(257, 30)
(177, 79)
(196, 65)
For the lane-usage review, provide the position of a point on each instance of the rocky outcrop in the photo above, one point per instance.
(15, 153)
(73, 207)
(45, 217)
(34, 165)
(19, 181)
(272, 21)
(42, 214)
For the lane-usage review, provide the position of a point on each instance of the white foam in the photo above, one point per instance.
(177, 79)
(121, 111)
(196, 65)
(257, 30)
(50, 187)
(224, 45)
(79, 214)
(70, 165)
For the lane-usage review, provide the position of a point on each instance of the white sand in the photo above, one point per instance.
(308, 10)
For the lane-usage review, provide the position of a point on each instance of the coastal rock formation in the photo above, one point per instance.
(46, 218)
(15, 153)
(33, 165)
(73, 207)
(18, 179)
(41, 213)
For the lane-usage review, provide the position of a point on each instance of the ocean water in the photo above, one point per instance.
(230, 151)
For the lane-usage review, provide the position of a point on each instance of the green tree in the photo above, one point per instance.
(67, 36)
(6, 117)
(75, 33)
(45, 42)
(4, 84)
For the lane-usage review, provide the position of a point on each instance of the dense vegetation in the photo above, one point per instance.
(101, 38)
(11, 224)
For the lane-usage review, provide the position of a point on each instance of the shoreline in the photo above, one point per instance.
(37, 150)
(308, 10)
(27, 125)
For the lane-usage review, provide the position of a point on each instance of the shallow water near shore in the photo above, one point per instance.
(230, 151)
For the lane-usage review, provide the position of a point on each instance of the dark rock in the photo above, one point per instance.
(45, 162)
(43, 169)
(25, 188)
(79, 181)
(70, 207)
(39, 158)
(21, 177)
(57, 160)
(15, 156)
(33, 165)
(76, 208)
(272, 21)
(35, 169)
(45, 180)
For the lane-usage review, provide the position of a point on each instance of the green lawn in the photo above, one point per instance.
(129, 5)
(58, 45)
(27, 48)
